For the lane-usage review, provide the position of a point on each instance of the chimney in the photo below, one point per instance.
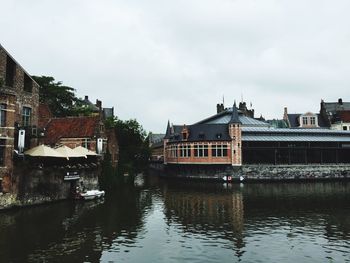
(99, 104)
(285, 114)
(220, 108)
(340, 101)
(86, 97)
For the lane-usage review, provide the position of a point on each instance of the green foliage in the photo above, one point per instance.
(134, 150)
(1, 82)
(60, 99)
(81, 109)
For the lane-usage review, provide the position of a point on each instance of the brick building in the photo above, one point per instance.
(76, 131)
(19, 101)
(229, 140)
(336, 114)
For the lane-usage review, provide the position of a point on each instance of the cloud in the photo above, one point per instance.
(158, 60)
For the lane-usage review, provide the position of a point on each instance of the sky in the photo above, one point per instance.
(160, 60)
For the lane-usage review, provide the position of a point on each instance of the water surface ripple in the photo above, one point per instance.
(171, 221)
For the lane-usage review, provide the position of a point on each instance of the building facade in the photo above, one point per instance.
(231, 139)
(19, 102)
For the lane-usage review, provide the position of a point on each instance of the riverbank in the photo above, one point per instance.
(251, 173)
(34, 186)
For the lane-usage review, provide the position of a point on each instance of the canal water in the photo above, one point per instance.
(172, 221)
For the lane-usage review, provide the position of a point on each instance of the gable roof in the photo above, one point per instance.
(71, 127)
(19, 65)
(333, 107)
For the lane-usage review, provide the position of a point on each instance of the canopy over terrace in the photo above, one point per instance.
(44, 151)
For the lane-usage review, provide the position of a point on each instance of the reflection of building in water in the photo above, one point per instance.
(217, 214)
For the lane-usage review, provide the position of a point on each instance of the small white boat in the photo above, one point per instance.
(92, 194)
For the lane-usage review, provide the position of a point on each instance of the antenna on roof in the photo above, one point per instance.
(241, 97)
(223, 100)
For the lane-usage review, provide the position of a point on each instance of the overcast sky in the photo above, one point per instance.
(156, 60)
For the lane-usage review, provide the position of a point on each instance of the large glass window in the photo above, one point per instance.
(26, 116)
(173, 151)
(185, 150)
(2, 115)
(201, 150)
(219, 150)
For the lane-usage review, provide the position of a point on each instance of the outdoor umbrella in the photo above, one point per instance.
(84, 151)
(43, 151)
(69, 153)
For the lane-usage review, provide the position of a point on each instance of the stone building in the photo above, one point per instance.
(19, 102)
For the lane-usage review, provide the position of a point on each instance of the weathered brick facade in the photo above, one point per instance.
(17, 90)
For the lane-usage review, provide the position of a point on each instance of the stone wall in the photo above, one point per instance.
(254, 172)
(295, 172)
(37, 186)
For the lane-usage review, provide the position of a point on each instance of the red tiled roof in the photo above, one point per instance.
(71, 127)
(344, 116)
(44, 115)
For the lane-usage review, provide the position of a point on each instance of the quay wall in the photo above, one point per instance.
(252, 173)
(34, 186)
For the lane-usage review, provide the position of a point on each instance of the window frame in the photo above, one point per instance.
(26, 118)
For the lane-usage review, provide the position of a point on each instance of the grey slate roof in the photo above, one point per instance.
(225, 117)
(333, 107)
(305, 135)
(202, 132)
(294, 120)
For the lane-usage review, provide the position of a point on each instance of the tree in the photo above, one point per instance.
(60, 99)
(134, 149)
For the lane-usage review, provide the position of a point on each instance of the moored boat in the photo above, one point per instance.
(92, 194)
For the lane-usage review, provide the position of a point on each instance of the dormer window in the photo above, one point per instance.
(312, 120)
(308, 120)
(305, 121)
(185, 133)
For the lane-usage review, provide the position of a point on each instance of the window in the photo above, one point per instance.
(201, 150)
(28, 83)
(2, 152)
(345, 128)
(2, 115)
(173, 151)
(313, 120)
(26, 116)
(305, 121)
(219, 150)
(185, 150)
(10, 72)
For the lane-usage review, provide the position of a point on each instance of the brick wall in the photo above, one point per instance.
(198, 160)
(15, 98)
(236, 144)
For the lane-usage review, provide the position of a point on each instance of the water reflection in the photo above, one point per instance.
(172, 221)
(255, 212)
